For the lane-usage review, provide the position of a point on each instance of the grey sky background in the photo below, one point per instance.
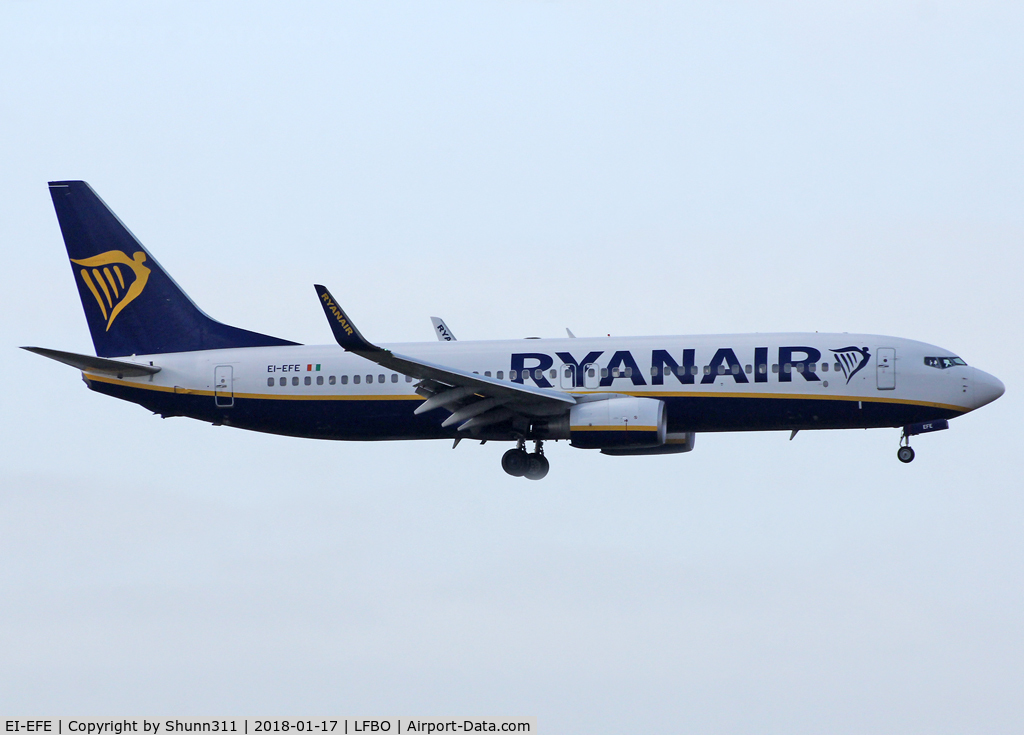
(516, 168)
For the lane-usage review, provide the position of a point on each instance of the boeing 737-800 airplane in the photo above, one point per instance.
(622, 396)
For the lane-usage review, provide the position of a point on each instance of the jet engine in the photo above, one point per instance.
(620, 422)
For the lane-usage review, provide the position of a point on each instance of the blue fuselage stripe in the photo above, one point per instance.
(375, 420)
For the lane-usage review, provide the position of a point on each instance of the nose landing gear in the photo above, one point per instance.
(518, 463)
(905, 454)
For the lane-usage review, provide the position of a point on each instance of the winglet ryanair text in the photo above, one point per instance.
(338, 313)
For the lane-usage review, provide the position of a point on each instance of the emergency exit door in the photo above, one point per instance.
(223, 392)
(885, 368)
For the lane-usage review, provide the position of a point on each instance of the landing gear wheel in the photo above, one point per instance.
(538, 466)
(515, 462)
(905, 455)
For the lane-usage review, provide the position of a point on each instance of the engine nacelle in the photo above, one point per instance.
(675, 443)
(624, 421)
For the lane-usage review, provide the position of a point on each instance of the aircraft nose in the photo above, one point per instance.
(987, 388)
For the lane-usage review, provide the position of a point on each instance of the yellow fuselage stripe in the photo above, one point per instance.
(181, 390)
(793, 396)
(621, 427)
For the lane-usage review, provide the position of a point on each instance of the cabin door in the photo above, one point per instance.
(223, 391)
(885, 368)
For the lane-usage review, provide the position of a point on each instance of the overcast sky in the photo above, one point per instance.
(516, 168)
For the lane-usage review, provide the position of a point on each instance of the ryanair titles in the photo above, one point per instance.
(682, 367)
(338, 313)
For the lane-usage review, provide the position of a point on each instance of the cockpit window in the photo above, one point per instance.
(943, 362)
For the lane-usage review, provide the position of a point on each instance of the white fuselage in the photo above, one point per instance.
(709, 382)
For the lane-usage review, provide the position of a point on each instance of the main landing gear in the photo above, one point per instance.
(905, 454)
(518, 463)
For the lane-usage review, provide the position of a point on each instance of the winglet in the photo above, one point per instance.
(344, 330)
(441, 329)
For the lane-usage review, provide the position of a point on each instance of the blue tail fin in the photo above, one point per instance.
(133, 307)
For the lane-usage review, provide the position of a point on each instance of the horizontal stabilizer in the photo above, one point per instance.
(100, 365)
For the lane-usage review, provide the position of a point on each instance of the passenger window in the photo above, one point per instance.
(775, 368)
(604, 372)
(356, 379)
(369, 379)
(308, 380)
(749, 369)
(538, 374)
(487, 373)
(394, 377)
(812, 367)
(501, 375)
(736, 369)
(787, 368)
(319, 379)
(270, 382)
(332, 380)
(283, 381)
(707, 370)
(655, 371)
(799, 367)
(629, 372)
(694, 370)
(295, 380)
(824, 367)
(408, 378)
(344, 380)
(721, 369)
(762, 368)
(511, 374)
(615, 372)
(380, 378)
(552, 374)
(836, 367)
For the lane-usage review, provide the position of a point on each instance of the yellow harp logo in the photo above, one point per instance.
(104, 278)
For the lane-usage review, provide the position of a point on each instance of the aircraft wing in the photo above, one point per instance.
(102, 365)
(474, 400)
